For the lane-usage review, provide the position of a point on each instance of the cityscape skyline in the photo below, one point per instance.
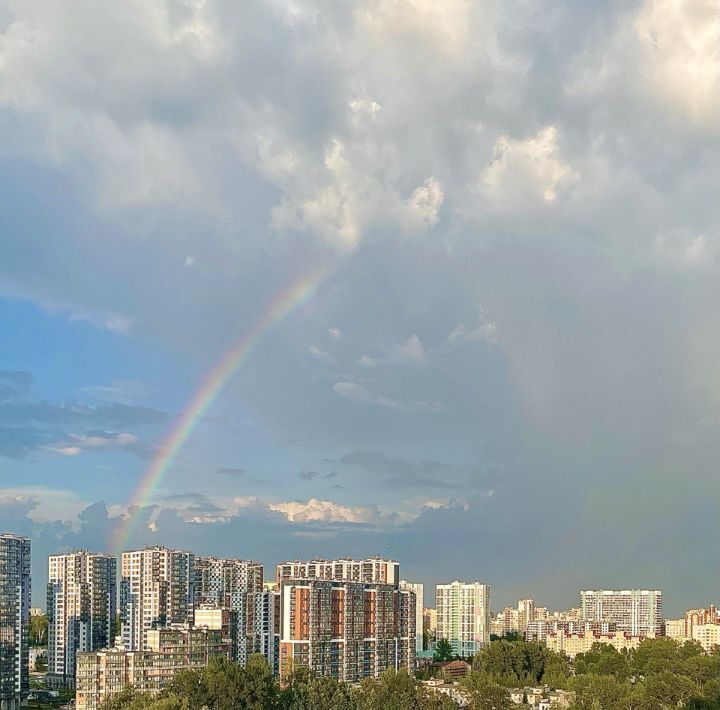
(437, 280)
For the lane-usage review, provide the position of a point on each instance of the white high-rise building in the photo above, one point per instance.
(81, 605)
(418, 590)
(156, 590)
(463, 615)
(526, 614)
(14, 621)
(227, 584)
(635, 611)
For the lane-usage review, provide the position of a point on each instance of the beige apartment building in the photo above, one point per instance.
(573, 643)
(374, 570)
(104, 674)
(635, 611)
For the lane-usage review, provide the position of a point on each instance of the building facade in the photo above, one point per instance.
(81, 607)
(101, 675)
(346, 630)
(227, 583)
(635, 611)
(264, 626)
(375, 570)
(463, 615)
(707, 635)
(156, 590)
(419, 592)
(14, 620)
(573, 643)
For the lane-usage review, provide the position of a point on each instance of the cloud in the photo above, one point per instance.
(15, 384)
(77, 443)
(529, 168)
(401, 473)
(411, 351)
(484, 331)
(321, 355)
(360, 393)
(315, 510)
(231, 471)
(335, 333)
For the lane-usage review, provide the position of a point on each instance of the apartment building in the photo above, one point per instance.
(101, 675)
(707, 635)
(635, 611)
(156, 590)
(264, 626)
(419, 592)
(573, 643)
(463, 615)
(698, 617)
(346, 630)
(14, 620)
(374, 570)
(81, 606)
(227, 583)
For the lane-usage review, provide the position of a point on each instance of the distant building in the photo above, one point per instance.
(635, 611)
(451, 669)
(227, 583)
(430, 619)
(463, 615)
(101, 675)
(156, 590)
(526, 614)
(418, 590)
(675, 629)
(346, 630)
(14, 620)
(696, 617)
(707, 635)
(573, 643)
(37, 611)
(81, 603)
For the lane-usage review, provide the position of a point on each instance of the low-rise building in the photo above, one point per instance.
(675, 629)
(453, 689)
(573, 643)
(104, 674)
(707, 635)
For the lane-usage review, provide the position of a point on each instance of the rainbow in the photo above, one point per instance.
(284, 303)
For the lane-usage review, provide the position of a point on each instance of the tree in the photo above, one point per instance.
(393, 691)
(443, 651)
(485, 694)
(600, 691)
(38, 630)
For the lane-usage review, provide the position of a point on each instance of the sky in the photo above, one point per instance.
(507, 367)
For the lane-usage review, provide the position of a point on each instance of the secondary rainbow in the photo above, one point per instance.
(285, 302)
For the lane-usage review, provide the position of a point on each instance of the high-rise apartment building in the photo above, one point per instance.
(156, 590)
(463, 615)
(374, 570)
(81, 605)
(264, 626)
(418, 590)
(346, 630)
(635, 611)
(101, 675)
(14, 620)
(526, 614)
(227, 583)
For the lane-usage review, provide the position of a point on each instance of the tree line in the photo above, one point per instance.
(659, 675)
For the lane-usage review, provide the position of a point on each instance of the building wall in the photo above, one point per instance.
(346, 630)
(636, 611)
(707, 635)
(370, 570)
(102, 675)
(81, 606)
(156, 589)
(14, 620)
(419, 592)
(463, 615)
(227, 583)
(572, 644)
